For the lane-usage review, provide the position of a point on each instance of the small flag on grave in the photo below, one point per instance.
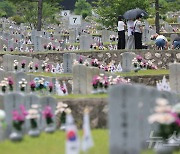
(72, 141)
(87, 141)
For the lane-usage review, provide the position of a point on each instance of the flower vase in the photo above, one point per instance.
(100, 90)
(94, 91)
(34, 132)
(16, 135)
(50, 128)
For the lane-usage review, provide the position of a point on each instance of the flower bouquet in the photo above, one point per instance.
(95, 84)
(18, 117)
(23, 65)
(168, 119)
(50, 85)
(4, 84)
(61, 112)
(43, 66)
(16, 65)
(4, 47)
(32, 86)
(33, 115)
(30, 66)
(36, 66)
(48, 115)
(22, 85)
(10, 83)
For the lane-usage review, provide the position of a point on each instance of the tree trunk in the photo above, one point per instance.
(39, 23)
(157, 16)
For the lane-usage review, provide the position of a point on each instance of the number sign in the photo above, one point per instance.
(75, 20)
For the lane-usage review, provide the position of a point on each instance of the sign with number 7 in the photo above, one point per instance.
(75, 20)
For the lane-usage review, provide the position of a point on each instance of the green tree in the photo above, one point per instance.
(7, 9)
(82, 7)
(109, 10)
(48, 13)
(39, 8)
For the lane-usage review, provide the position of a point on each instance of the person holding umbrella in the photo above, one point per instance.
(121, 33)
(138, 29)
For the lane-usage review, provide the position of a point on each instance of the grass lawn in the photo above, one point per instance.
(48, 74)
(139, 73)
(55, 144)
(72, 96)
(145, 73)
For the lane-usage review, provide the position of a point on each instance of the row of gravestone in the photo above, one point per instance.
(129, 109)
(12, 101)
(8, 63)
(68, 61)
(16, 77)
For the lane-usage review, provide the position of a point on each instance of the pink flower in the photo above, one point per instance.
(50, 85)
(47, 113)
(10, 81)
(36, 65)
(63, 89)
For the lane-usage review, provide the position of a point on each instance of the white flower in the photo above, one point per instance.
(162, 118)
(161, 102)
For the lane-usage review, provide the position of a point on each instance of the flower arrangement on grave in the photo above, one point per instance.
(112, 38)
(101, 83)
(43, 66)
(45, 46)
(48, 67)
(48, 115)
(50, 86)
(80, 60)
(4, 47)
(30, 66)
(63, 89)
(18, 117)
(11, 49)
(54, 48)
(95, 63)
(16, 65)
(4, 84)
(167, 117)
(140, 63)
(32, 85)
(61, 112)
(49, 46)
(22, 85)
(33, 115)
(86, 63)
(36, 66)
(23, 64)
(10, 83)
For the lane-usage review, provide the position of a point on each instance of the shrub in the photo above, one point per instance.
(18, 19)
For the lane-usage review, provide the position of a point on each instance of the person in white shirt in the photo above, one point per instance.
(138, 32)
(130, 40)
(121, 33)
(160, 41)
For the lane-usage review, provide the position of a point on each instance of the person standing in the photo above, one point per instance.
(138, 32)
(130, 40)
(121, 33)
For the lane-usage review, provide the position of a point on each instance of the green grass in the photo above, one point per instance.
(145, 73)
(72, 96)
(55, 144)
(48, 74)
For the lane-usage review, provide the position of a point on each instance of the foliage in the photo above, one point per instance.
(109, 10)
(171, 20)
(31, 17)
(151, 21)
(18, 19)
(83, 8)
(7, 9)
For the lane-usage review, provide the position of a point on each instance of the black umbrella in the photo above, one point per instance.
(132, 14)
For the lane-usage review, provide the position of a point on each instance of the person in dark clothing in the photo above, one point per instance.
(176, 43)
(121, 33)
(138, 32)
